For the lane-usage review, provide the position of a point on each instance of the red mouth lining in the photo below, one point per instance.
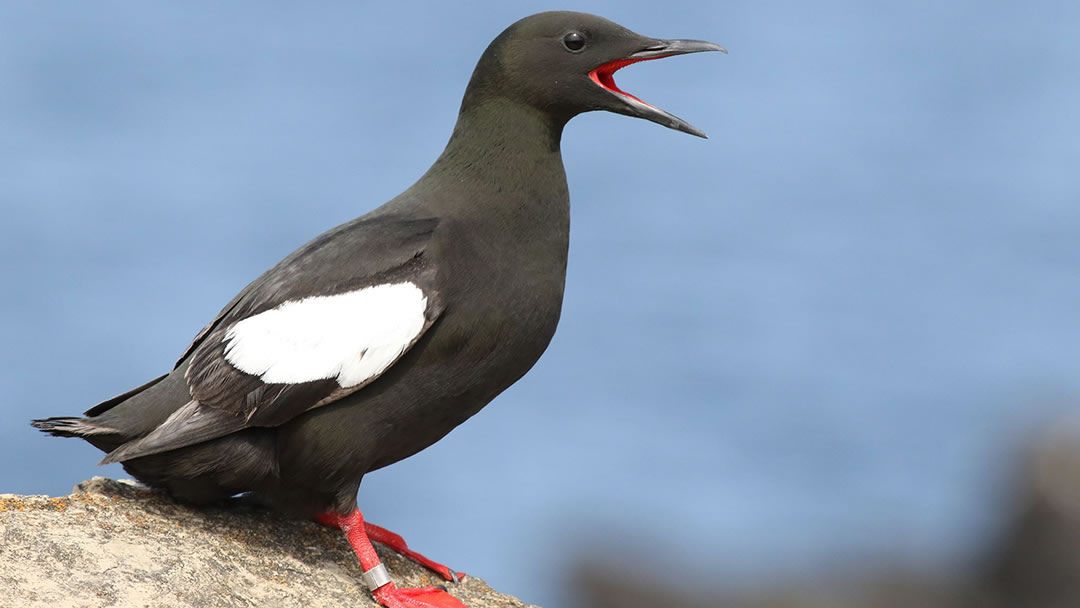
(604, 76)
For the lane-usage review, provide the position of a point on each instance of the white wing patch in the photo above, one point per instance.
(352, 336)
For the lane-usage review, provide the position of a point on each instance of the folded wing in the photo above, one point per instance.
(321, 325)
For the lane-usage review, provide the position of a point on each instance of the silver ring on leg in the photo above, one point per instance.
(376, 577)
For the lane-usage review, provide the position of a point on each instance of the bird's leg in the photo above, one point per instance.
(394, 541)
(375, 576)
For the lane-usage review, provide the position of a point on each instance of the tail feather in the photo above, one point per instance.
(105, 406)
(70, 426)
(107, 431)
(191, 424)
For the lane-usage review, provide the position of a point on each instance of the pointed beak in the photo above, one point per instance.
(667, 48)
(632, 106)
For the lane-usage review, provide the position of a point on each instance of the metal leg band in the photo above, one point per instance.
(376, 577)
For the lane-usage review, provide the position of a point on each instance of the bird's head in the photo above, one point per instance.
(563, 63)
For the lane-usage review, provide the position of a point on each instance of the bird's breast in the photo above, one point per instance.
(504, 297)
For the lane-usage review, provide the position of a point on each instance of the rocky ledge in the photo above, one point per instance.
(113, 544)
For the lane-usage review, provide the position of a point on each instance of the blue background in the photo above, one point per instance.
(816, 339)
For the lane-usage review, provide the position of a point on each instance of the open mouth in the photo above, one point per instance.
(604, 77)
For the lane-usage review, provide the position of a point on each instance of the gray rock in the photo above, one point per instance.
(114, 544)
(1036, 562)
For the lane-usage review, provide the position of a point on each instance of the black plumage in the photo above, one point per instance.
(482, 236)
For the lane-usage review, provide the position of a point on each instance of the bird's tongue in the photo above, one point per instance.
(604, 75)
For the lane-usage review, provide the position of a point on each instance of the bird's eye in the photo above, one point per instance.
(573, 42)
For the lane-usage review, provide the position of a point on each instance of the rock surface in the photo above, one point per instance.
(112, 544)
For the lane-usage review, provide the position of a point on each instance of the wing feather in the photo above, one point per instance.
(322, 324)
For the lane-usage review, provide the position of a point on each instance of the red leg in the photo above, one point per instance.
(386, 537)
(375, 573)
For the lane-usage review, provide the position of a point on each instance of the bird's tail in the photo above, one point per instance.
(70, 426)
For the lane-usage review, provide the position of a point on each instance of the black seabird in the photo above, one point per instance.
(377, 338)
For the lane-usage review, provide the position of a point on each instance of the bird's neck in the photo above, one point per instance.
(498, 122)
(508, 153)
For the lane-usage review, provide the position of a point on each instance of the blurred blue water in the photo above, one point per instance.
(814, 338)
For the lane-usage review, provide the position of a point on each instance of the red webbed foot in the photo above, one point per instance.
(375, 576)
(397, 543)
(424, 597)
